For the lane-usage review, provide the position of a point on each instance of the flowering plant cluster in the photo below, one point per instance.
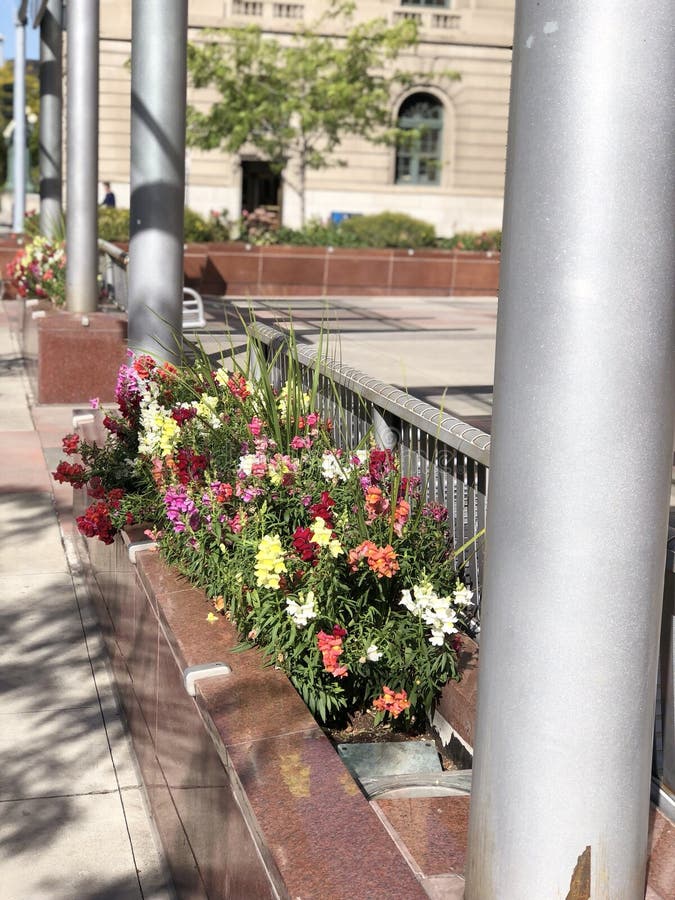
(329, 559)
(39, 270)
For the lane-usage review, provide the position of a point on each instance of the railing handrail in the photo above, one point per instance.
(441, 426)
(120, 256)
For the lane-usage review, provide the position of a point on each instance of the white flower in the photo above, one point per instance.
(301, 612)
(246, 463)
(436, 612)
(462, 595)
(332, 467)
(407, 601)
(373, 654)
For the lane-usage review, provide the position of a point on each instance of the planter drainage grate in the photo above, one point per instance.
(401, 770)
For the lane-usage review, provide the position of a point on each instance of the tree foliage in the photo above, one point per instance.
(6, 113)
(298, 98)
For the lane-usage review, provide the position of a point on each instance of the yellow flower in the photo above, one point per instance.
(320, 534)
(269, 562)
(323, 536)
(212, 617)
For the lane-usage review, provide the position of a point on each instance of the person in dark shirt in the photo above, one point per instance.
(109, 199)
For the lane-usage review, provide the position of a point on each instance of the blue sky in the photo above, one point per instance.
(7, 8)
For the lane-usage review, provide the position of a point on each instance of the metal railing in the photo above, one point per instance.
(112, 270)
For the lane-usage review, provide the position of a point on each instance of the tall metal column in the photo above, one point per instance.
(51, 112)
(82, 156)
(19, 136)
(158, 88)
(581, 457)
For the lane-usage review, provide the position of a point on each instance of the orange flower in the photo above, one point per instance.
(359, 553)
(330, 647)
(383, 562)
(376, 503)
(393, 702)
(401, 516)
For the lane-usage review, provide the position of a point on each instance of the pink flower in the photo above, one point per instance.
(255, 426)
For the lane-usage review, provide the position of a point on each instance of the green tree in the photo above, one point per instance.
(7, 112)
(297, 99)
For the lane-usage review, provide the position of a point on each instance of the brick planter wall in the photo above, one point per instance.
(243, 270)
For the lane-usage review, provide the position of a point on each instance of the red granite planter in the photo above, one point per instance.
(236, 269)
(249, 796)
(71, 357)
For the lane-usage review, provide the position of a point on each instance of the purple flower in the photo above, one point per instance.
(181, 509)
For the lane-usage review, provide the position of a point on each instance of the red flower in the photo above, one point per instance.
(183, 414)
(237, 384)
(380, 463)
(70, 473)
(70, 443)
(305, 547)
(190, 466)
(96, 522)
(323, 509)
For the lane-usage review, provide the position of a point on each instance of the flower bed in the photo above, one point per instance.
(39, 270)
(329, 559)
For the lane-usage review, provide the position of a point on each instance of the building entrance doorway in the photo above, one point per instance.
(260, 186)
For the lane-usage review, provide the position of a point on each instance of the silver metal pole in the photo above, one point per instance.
(158, 88)
(581, 457)
(82, 156)
(51, 112)
(19, 136)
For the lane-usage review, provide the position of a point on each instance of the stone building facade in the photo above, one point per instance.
(455, 180)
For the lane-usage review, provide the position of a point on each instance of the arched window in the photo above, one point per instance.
(418, 159)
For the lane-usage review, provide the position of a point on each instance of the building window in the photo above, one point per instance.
(443, 3)
(418, 159)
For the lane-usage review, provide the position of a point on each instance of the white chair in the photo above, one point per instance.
(193, 310)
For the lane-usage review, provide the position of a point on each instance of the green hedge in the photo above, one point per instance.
(386, 229)
(113, 225)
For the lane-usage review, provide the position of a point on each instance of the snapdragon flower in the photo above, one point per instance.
(301, 610)
(323, 537)
(269, 562)
(333, 467)
(436, 612)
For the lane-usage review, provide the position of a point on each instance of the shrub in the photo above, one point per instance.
(259, 227)
(198, 229)
(472, 240)
(387, 229)
(113, 225)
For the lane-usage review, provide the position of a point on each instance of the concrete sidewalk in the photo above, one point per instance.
(73, 820)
